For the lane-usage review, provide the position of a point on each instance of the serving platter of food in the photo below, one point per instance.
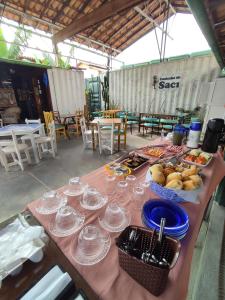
(179, 177)
(175, 149)
(197, 157)
(134, 161)
(177, 182)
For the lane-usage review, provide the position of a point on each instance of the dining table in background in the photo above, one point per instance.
(107, 122)
(24, 129)
(106, 278)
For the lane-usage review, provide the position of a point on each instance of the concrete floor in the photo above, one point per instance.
(18, 188)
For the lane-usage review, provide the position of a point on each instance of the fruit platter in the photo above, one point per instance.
(197, 157)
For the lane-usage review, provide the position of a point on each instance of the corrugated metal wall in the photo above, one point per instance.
(132, 88)
(67, 90)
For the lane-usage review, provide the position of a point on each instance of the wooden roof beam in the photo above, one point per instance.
(150, 19)
(51, 25)
(171, 6)
(100, 14)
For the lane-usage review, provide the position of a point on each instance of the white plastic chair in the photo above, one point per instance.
(27, 137)
(106, 138)
(14, 149)
(86, 134)
(49, 141)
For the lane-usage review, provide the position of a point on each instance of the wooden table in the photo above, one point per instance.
(13, 287)
(106, 278)
(105, 121)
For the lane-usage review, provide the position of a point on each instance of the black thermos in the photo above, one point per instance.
(212, 135)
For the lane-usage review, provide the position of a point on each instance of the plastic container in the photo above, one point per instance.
(194, 135)
(178, 135)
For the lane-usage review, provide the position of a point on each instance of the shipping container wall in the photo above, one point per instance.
(67, 90)
(178, 84)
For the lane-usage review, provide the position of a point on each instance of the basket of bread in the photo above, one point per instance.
(179, 182)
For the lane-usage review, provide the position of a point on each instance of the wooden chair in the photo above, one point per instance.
(14, 150)
(75, 127)
(59, 128)
(149, 121)
(123, 132)
(109, 114)
(57, 118)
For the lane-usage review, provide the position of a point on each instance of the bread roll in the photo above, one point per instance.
(179, 169)
(175, 184)
(158, 177)
(188, 172)
(172, 176)
(189, 185)
(156, 167)
(168, 170)
(196, 179)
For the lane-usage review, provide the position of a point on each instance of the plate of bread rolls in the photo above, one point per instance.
(177, 182)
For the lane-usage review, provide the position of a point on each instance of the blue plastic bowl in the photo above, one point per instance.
(166, 231)
(172, 219)
(178, 235)
(177, 219)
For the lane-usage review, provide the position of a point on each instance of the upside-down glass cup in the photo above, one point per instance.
(66, 219)
(114, 215)
(110, 184)
(90, 241)
(122, 192)
(145, 184)
(138, 196)
(51, 202)
(131, 180)
(75, 187)
(91, 197)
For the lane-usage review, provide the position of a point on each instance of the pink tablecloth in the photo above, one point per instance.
(106, 278)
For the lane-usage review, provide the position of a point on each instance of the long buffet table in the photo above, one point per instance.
(107, 279)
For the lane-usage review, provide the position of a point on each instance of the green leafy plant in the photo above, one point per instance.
(105, 91)
(3, 45)
(15, 49)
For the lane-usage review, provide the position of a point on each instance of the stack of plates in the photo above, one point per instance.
(177, 220)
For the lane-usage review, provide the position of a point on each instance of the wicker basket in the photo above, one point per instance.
(151, 277)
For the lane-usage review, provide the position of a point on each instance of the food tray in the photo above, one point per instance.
(173, 194)
(134, 169)
(194, 163)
